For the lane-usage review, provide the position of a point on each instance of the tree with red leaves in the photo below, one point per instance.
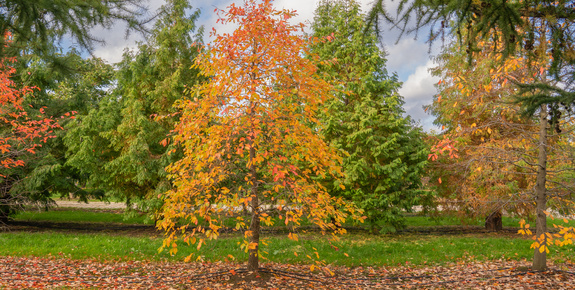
(22, 131)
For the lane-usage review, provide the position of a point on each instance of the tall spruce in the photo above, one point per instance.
(384, 152)
(118, 144)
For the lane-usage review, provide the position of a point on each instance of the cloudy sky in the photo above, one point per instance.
(409, 58)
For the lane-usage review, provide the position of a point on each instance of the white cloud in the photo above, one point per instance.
(418, 90)
(406, 56)
(115, 38)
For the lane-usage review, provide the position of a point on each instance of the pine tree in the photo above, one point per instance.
(37, 26)
(384, 152)
(118, 144)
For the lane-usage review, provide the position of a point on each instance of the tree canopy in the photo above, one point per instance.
(384, 152)
(250, 137)
(36, 25)
(118, 143)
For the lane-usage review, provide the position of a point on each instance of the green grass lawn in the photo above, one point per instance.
(81, 216)
(351, 250)
(513, 222)
(355, 249)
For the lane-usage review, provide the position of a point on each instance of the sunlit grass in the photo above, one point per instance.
(351, 250)
(81, 216)
(355, 249)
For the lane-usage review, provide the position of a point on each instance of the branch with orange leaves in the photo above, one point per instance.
(563, 237)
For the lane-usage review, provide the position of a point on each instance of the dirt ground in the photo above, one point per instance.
(92, 204)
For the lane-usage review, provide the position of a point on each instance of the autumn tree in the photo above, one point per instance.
(22, 132)
(496, 152)
(534, 29)
(118, 144)
(384, 152)
(251, 137)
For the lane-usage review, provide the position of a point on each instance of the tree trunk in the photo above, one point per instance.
(253, 260)
(540, 259)
(493, 222)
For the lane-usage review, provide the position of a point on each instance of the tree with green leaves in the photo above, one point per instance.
(37, 26)
(384, 152)
(44, 173)
(118, 144)
(73, 93)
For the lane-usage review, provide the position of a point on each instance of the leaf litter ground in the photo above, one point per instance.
(33, 272)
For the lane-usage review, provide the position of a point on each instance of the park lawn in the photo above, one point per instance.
(358, 248)
(351, 250)
(82, 216)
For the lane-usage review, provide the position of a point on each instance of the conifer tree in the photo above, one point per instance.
(384, 152)
(37, 26)
(118, 144)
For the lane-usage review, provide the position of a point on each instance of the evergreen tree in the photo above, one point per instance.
(118, 144)
(44, 173)
(38, 25)
(65, 95)
(385, 154)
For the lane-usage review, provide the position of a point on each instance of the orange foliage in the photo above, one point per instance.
(19, 133)
(250, 136)
(496, 164)
(491, 150)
